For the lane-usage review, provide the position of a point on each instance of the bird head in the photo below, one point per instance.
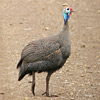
(66, 13)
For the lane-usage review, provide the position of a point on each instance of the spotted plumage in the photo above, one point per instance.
(47, 54)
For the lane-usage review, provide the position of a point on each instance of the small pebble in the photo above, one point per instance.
(67, 70)
(2, 93)
(88, 67)
(60, 93)
(20, 23)
(72, 98)
(94, 87)
(69, 85)
(98, 83)
(62, 97)
(30, 82)
(88, 95)
(98, 11)
(82, 46)
(60, 72)
(71, 93)
(89, 27)
(27, 29)
(66, 81)
(26, 98)
(82, 75)
(46, 28)
(10, 24)
(98, 71)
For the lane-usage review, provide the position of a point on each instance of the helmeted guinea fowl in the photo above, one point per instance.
(47, 54)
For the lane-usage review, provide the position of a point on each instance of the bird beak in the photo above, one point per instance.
(71, 9)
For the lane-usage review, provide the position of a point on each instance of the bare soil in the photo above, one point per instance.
(22, 21)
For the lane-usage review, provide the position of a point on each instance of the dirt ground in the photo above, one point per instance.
(22, 21)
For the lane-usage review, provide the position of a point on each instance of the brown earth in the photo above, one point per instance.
(22, 21)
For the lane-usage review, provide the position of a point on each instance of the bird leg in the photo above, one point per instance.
(47, 84)
(33, 83)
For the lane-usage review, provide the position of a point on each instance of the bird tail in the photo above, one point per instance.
(28, 68)
(23, 71)
(19, 63)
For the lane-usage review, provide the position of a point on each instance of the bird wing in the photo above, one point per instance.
(38, 50)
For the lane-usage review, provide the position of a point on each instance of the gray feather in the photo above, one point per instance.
(47, 54)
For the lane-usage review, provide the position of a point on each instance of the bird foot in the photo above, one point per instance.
(33, 93)
(47, 94)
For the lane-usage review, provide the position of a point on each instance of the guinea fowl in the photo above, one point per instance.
(47, 54)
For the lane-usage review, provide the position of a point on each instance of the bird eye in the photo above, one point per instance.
(67, 8)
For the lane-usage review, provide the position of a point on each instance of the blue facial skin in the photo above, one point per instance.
(66, 15)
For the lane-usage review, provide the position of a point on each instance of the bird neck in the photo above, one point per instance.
(65, 30)
(65, 37)
(66, 26)
(64, 34)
